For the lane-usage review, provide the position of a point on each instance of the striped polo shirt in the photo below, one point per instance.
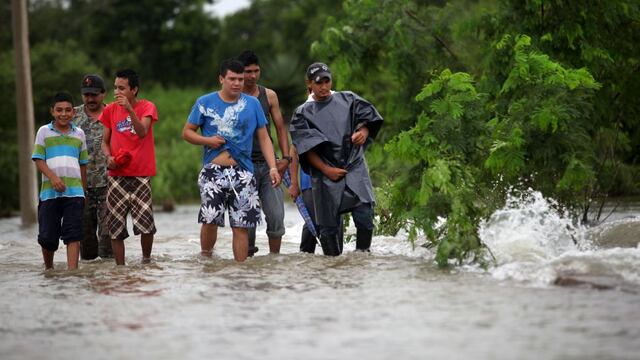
(64, 153)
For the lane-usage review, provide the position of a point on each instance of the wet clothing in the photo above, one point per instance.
(236, 122)
(305, 181)
(229, 188)
(125, 140)
(59, 218)
(326, 128)
(271, 202)
(64, 153)
(93, 132)
(307, 240)
(96, 240)
(271, 199)
(130, 193)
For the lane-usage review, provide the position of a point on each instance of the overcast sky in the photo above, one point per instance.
(225, 7)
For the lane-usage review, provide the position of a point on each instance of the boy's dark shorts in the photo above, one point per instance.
(60, 218)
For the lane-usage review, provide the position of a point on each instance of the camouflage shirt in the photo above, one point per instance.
(97, 166)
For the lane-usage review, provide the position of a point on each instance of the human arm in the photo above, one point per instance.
(83, 160)
(333, 173)
(294, 189)
(190, 135)
(141, 126)
(281, 130)
(267, 151)
(359, 137)
(106, 148)
(57, 183)
(83, 176)
(366, 116)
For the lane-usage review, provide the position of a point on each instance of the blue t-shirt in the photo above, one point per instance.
(305, 180)
(236, 122)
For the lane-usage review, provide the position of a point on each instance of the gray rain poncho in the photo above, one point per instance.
(326, 128)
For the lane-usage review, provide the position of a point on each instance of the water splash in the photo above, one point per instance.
(530, 228)
(535, 243)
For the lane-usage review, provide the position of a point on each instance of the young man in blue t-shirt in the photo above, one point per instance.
(228, 120)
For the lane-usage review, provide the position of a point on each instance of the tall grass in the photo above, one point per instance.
(177, 161)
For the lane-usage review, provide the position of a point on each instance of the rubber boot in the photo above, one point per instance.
(307, 241)
(330, 245)
(340, 242)
(363, 239)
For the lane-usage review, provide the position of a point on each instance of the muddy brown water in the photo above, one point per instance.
(391, 304)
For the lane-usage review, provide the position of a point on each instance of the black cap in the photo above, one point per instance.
(318, 71)
(92, 84)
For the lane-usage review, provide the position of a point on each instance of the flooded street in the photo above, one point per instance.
(391, 304)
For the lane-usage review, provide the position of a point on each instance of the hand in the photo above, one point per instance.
(57, 184)
(275, 177)
(111, 162)
(124, 102)
(360, 136)
(294, 191)
(282, 165)
(334, 173)
(216, 141)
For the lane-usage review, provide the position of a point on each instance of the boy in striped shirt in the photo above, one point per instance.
(60, 154)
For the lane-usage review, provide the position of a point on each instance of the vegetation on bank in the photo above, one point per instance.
(484, 96)
(177, 161)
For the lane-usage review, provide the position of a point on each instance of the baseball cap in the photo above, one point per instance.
(318, 71)
(92, 84)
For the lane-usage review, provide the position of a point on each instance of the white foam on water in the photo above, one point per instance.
(625, 230)
(535, 243)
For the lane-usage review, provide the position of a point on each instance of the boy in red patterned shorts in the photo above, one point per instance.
(128, 145)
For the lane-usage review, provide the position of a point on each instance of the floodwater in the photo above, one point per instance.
(557, 291)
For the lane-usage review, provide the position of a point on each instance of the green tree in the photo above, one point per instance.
(280, 32)
(532, 117)
(600, 36)
(70, 63)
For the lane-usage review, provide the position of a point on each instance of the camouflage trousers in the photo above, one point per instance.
(95, 240)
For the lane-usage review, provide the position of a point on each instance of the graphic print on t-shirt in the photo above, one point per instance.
(125, 125)
(227, 123)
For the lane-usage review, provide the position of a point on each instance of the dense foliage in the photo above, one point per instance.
(174, 44)
(534, 98)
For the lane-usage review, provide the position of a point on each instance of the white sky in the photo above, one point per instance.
(226, 7)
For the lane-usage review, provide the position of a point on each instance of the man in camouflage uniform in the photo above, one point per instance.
(96, 241)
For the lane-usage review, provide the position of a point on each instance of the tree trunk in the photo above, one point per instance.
(25, 117)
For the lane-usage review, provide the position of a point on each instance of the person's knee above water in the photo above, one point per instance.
(271, 198)
(331, 135)
(228, 120)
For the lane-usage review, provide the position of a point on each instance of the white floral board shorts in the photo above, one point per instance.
(228, 188)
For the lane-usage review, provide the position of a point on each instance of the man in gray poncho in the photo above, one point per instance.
(331, 134)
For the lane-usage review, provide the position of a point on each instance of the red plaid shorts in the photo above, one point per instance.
(130, 194)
